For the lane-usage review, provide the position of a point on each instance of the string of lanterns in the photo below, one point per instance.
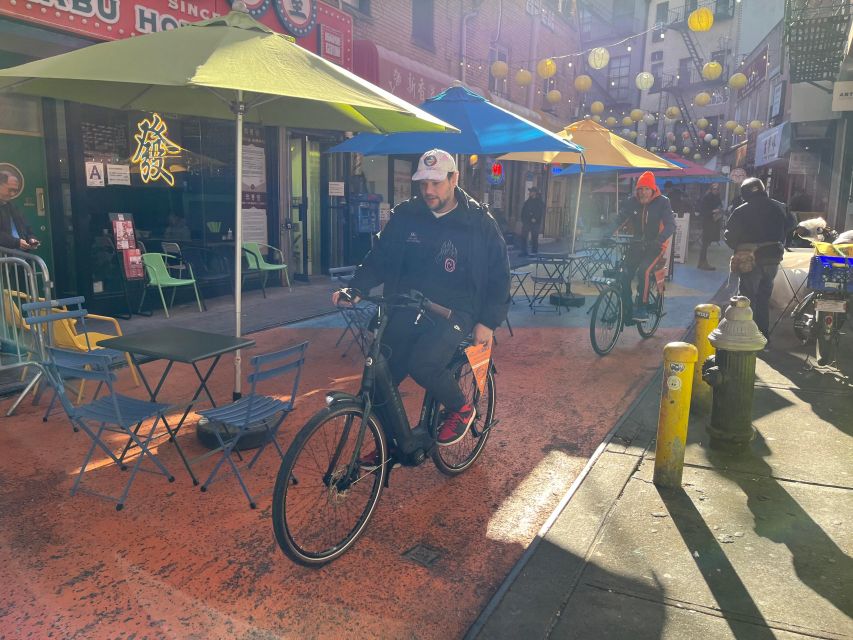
(699, 20)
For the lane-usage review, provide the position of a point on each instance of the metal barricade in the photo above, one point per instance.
(24, 278)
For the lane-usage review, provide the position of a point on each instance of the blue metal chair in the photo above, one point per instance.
(253, 410)
(110, 414)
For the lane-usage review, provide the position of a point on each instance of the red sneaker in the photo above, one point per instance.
(456, 425)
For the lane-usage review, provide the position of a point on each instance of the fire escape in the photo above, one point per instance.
(600, 19)
(816, 35)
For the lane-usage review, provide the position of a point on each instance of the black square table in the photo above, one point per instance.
(175, 344)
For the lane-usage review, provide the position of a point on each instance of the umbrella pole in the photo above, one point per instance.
(577, 210)
(239, 108)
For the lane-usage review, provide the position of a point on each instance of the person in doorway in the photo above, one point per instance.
(177, 229)
(14, 231)
(710, 216)
(678, 200)
(447, 246)
(764, 223)
(648, 216)
(532, 214)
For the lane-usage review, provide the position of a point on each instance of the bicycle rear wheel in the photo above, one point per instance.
(647, 328)
(606, 321)
(319, 509)
(456, 458)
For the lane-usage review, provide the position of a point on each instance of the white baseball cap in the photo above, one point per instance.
(435, 164)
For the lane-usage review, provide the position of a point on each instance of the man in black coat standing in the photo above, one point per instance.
(764, 223)
(14, 231)
(532, 214)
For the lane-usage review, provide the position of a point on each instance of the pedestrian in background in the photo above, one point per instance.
(14, 231)
(710, 215)
(532, 213)
(760, 226)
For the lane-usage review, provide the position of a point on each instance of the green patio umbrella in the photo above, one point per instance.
(230, 67)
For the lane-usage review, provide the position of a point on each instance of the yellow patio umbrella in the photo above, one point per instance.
(603, 150)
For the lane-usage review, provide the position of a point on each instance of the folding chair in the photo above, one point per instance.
(517, 280)
(252, 409)
(110, 414)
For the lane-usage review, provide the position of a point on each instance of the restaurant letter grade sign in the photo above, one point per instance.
(153, 147)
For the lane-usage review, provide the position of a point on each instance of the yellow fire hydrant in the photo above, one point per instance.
(679, 361)
(707, 317)
(731, 373)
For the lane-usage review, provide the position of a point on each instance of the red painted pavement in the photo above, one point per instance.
(177, 563)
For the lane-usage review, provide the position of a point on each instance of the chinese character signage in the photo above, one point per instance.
(153, 148)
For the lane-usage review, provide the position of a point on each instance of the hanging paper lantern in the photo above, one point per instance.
(553, 96)
(670, 136)
(712, 70)
(685, 134)
(625, 132)
(714, 142)
(737, 81)
(697, 156)
(597, 107)
(702, 98)
(702, 123)
(673, 113)
(701, 19)
(523, 78)
(708, 137)
(755, 125)
(649, 119)
(583, 83)
(685, 150)
(730, 125)
(597, 118)
(626, 121)
(637, 114)
(644, 81)
(546, 68)
(701, 133)
(599, 58)
(611, 121)
(671, 148)
(653, 149)
(499, 69)
(632, 135)
(739, 130)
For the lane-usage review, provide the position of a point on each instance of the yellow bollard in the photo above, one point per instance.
(679, 362)
(707, 318)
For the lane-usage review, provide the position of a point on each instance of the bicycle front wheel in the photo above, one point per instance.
(319, 507)
(606, 321)
(648, 327)
(456, 458)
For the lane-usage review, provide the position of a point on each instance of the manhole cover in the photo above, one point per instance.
(423, 555)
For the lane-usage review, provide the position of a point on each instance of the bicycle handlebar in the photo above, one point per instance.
(414, 300)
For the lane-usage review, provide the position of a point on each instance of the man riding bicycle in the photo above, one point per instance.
(447, 246)
(648, 215)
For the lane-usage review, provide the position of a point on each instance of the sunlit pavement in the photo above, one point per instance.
(180, 563)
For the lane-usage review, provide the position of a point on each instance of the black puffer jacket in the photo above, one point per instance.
(489, 263)
(760, 220)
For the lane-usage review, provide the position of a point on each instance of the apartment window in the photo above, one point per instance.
(684, 70)
(617, 76)
(657, 56)
(359, 5)
(657, 72)
(661, 17)
(423, 12)
(585, 23)
(498, 85)
(724, 8)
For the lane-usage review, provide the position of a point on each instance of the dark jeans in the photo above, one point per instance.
(757, 285)
(424, 350)
(638, 260)
(533, 231)
(710, 233)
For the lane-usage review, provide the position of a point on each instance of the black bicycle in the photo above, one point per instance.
(332, 475)
(607, 318)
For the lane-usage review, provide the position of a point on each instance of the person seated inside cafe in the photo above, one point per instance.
(177, 229)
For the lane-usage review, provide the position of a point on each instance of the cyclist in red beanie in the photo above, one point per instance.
(648, 215)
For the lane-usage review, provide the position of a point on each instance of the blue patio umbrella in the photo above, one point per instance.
(485, 129)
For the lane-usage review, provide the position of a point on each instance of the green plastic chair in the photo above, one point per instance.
(158, 276)
(254, 250)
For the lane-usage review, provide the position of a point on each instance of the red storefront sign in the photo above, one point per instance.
(755, 72)
(115, 19)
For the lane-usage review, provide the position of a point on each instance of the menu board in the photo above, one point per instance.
(133, 267)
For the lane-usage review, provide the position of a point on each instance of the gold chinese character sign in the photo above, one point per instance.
(153, 147)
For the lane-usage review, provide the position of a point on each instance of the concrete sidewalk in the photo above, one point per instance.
(752, 547)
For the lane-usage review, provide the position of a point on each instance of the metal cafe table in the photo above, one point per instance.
(175, 344)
